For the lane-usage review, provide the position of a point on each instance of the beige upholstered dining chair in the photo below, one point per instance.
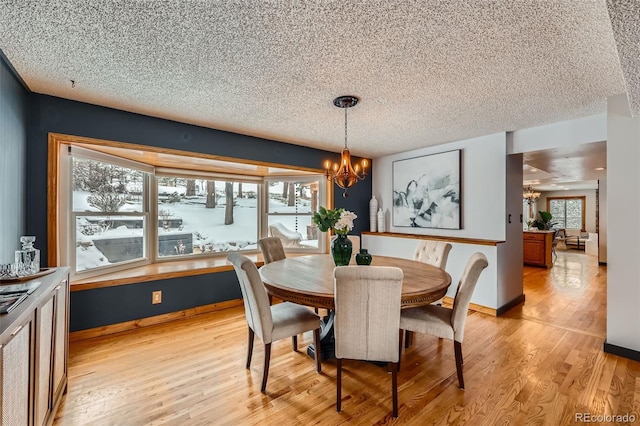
(367, 319)
(271, 323)
(272, 249)
(448, 323)
(433, 253)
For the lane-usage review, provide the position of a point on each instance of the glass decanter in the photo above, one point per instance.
(27, 259)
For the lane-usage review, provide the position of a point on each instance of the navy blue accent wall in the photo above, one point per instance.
(14, 99)
(357, 202)
(112, 305)
(100, 307)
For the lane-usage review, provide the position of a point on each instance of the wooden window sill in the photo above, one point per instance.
(165, 270)
(160, 271)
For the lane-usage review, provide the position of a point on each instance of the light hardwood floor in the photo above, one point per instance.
(541, 363)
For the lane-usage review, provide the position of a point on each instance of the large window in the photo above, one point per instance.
(200, 216)
(567, 212)
(109, 213)
(117, 213)
(290, 206)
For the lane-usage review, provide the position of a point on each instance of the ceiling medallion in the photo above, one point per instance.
(345, 175)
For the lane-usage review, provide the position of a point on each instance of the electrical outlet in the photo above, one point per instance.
(156, 297)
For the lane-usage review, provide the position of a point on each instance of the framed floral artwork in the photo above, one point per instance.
(426, 191)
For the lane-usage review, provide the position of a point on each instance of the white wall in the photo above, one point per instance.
(510, 285)
(484, 214)
(623, 239)
(604, 221)
(483, 187)
(561, 134)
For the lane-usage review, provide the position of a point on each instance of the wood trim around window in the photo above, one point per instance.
(53, 170)
(56, 140)
(583, 198)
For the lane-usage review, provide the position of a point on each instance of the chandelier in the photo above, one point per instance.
(345, 175)
(530, 195)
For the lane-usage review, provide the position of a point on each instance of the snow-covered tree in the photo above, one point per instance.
(106, 199)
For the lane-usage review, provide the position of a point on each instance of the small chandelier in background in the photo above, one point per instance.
(345, 175)
(530, 195)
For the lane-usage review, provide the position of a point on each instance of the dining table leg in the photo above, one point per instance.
(327, 338)
(408, 339)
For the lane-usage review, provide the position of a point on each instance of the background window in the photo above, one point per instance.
(567, 212)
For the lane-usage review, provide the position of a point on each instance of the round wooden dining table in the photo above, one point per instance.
(308, 280)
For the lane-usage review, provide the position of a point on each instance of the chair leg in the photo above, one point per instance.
(294, 343)
(457, 348)
(394, 387)
(400, 348)
(265, 374)
(339, 385)
(250, 348)
(317, 352)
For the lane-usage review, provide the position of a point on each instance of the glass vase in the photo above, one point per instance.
(341, 248)
(364, 257)
(27, 260)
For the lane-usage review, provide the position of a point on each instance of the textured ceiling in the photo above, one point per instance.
(427, 72)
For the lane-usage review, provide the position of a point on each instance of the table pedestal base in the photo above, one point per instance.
(327, 339)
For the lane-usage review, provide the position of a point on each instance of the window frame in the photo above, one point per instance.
(583, 200)
(68, 252)
(193, 174)
(60, 191)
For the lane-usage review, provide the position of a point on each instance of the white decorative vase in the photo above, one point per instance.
(380, 221)
(373, 219)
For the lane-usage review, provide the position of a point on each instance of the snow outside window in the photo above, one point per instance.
(291, 203)
(567, 212)
(206, 216)
(119, 214)
(108, 215)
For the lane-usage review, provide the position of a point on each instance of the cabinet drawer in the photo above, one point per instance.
(533, 236)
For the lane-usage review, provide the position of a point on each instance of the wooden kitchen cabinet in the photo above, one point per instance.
(536, 248)
(34, 344)
(51, 352)
(16, 366)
